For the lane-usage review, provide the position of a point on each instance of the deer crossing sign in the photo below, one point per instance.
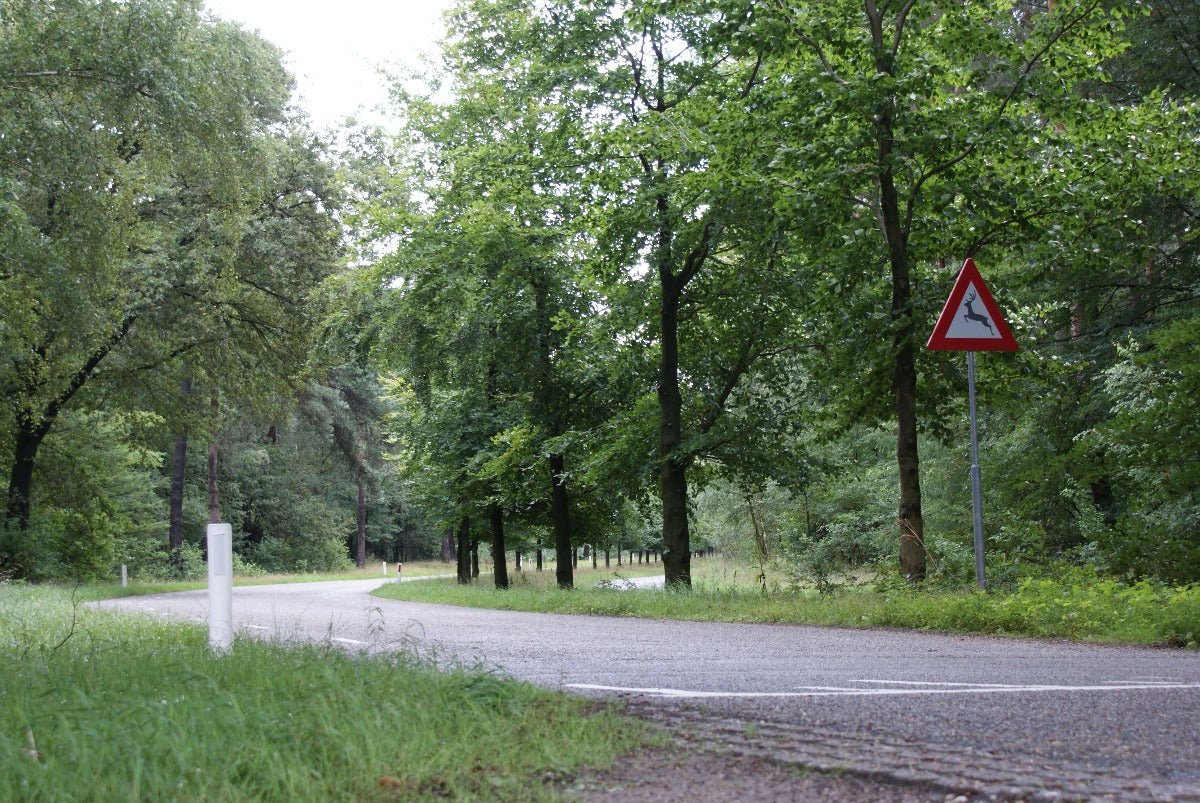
(971, 321)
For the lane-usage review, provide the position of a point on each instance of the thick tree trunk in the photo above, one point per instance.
(499, 565)
(904, 371)
(672, 476)
(539, 559)
(30, 429)
(448, 549)
(560, 517)
(28, 439)
(475, 559)
(464, 551)
(360, 551)
(912, 523)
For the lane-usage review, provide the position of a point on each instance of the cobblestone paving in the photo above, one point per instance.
(974, 775)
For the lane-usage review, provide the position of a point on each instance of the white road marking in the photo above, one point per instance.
(351, 641)
(853, 692)
(256, 627)
(933, 683)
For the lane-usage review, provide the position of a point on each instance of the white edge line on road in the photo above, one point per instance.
(849, 692)
(932, 683)
(351, 641)
(256, 627)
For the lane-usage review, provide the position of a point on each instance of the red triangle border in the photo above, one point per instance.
(938, 341)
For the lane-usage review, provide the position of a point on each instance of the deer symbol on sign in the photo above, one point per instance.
(972, 315)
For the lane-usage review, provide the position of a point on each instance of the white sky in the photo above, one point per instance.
(333, 48)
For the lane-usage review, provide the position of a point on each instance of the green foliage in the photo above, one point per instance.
(96, 503)
(523, 245)
(298, 553)
(1150, 446)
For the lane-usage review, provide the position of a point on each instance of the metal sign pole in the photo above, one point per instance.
(976, 485)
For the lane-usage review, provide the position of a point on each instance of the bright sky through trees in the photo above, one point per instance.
(334, 49)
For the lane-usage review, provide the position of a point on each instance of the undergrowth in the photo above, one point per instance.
(1073, 604)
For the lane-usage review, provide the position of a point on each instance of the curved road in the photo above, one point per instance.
(1005, 718)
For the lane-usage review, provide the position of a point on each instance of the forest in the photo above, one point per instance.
(622, 275)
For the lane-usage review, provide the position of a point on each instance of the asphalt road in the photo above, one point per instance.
(1007, 718)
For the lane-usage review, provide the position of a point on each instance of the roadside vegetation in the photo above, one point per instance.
(100, 706)
(1075, 604)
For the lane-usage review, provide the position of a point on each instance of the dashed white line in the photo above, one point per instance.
(351, 641)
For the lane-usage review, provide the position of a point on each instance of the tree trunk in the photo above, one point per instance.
(517, 559)
(672, 477)
(499, 566)
(539, 559)
(31, 429)
(904, 371)
(607, 557)
(560, 516)
(175, 500)
(475, 559)
(464, 551)
(449, 551)
(214, 509)
(175, 493)
(360, 551)
(28, 438)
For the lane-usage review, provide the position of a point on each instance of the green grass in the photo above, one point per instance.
(123, 707)
(137, 588)
(1073, 605)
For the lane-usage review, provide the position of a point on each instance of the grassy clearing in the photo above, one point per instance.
(137, 588)
(1074, 605)
(128, 708)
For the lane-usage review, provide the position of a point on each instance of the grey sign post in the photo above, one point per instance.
(976, 483)
(962, 327)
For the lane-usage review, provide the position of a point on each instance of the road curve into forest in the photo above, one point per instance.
(1006, 718)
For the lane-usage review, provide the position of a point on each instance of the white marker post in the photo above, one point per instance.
(124, 576)
(220, 587)
(970, 321)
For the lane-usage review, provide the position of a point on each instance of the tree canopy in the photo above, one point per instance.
(624, 271)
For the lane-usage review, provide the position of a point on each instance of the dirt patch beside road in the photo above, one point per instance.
(701, 775)
(711, 765)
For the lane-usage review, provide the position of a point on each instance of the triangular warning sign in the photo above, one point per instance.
(971, 321)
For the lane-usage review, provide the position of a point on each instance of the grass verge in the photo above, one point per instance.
(1075, 605)
(137, 588)
(121, 707)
